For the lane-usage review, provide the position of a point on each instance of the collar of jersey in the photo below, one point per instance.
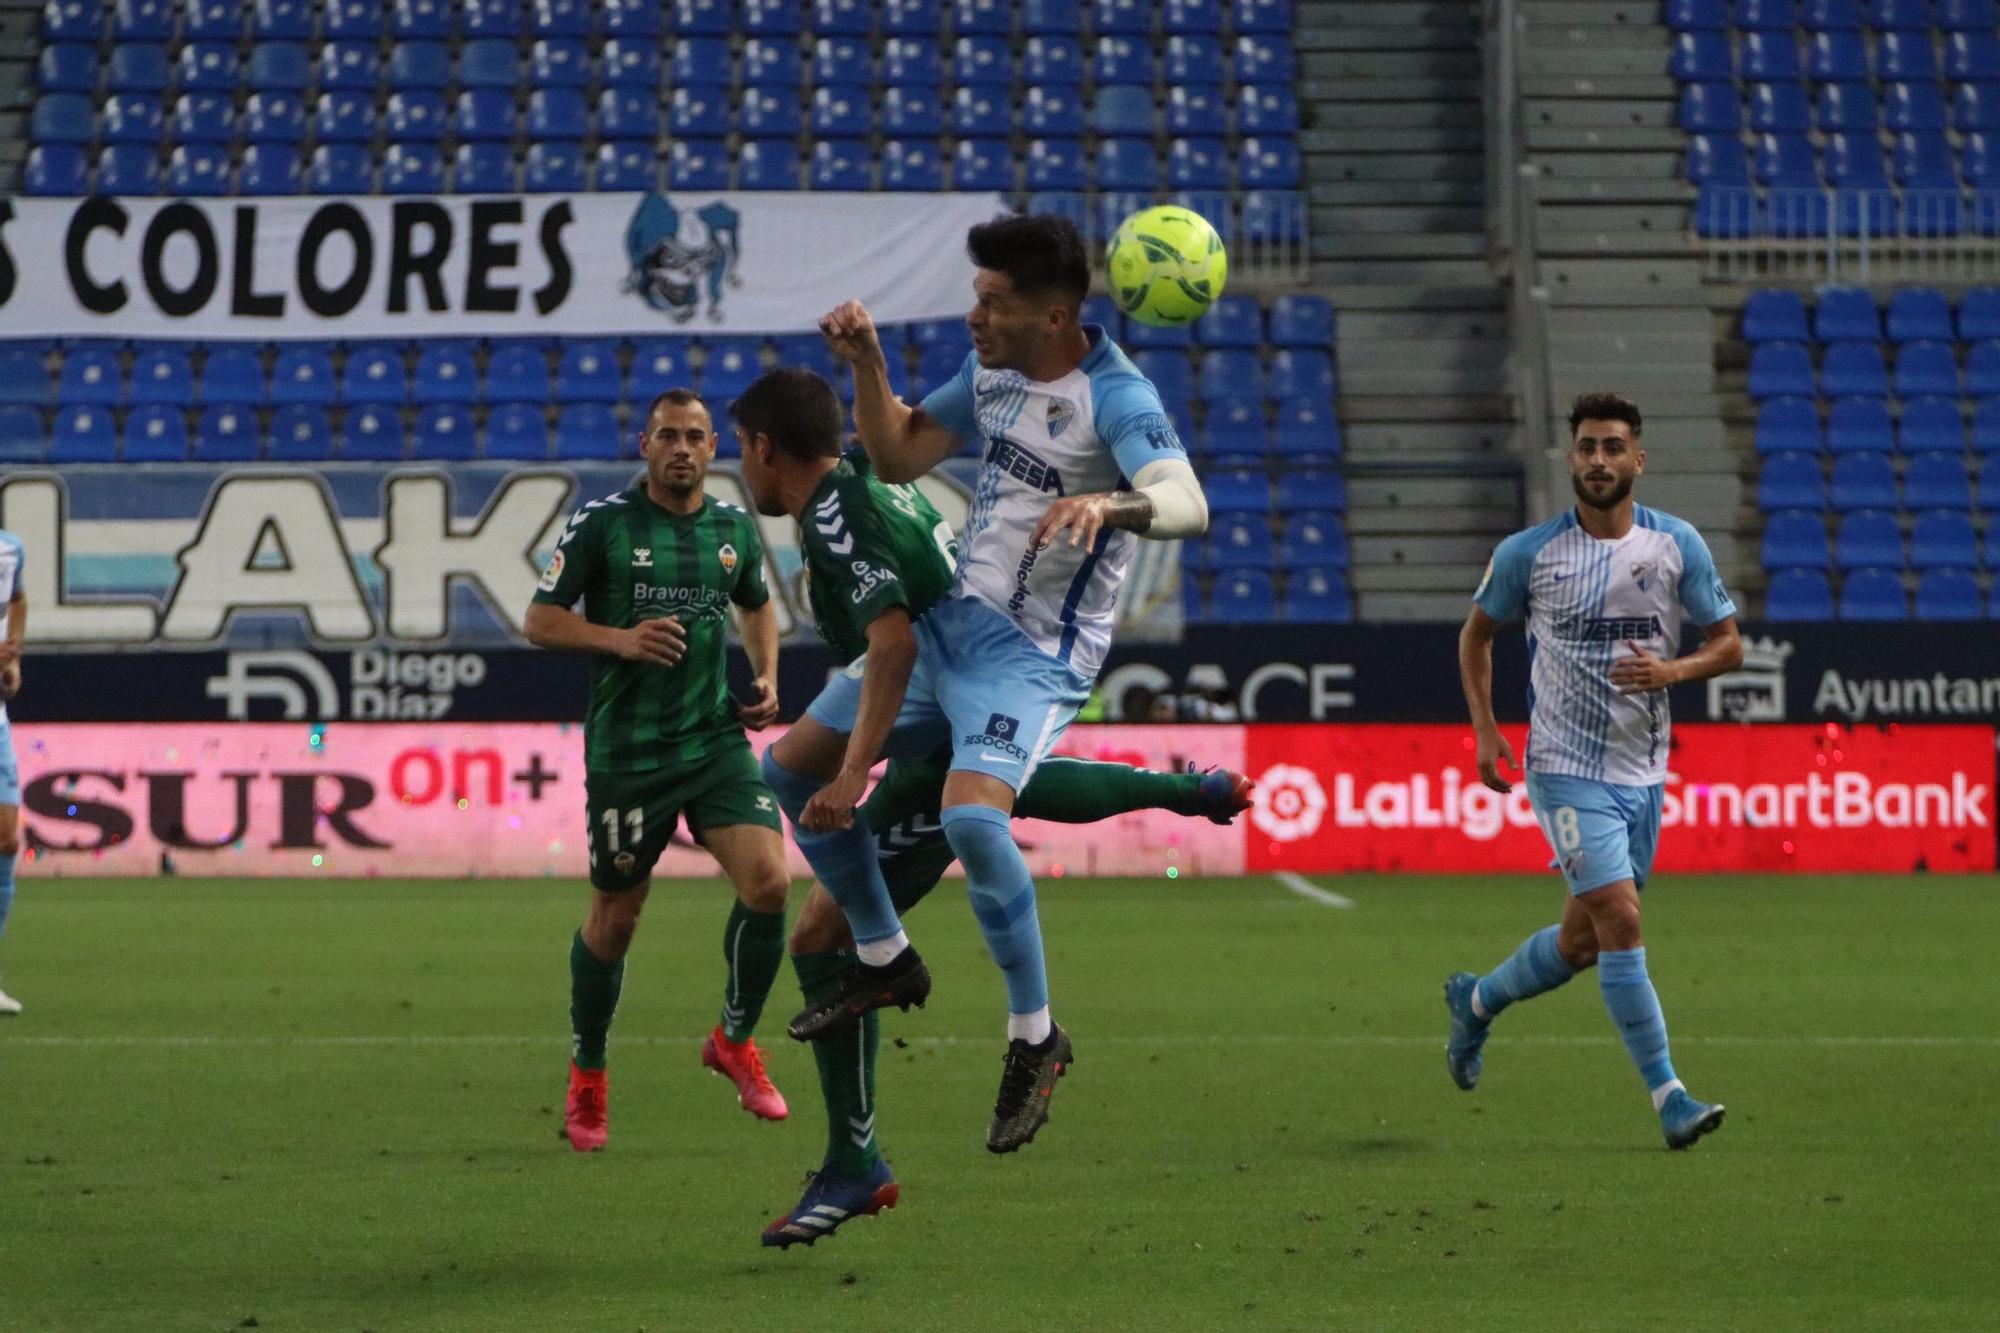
(645, 498)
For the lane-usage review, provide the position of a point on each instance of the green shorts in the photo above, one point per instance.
(902, 813)
(632, 815)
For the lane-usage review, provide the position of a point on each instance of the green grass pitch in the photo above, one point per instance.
(333, 1106)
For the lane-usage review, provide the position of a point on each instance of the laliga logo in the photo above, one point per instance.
(1289, 803)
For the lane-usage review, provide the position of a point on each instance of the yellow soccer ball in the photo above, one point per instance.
(1165, 266)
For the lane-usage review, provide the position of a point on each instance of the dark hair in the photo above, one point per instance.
(1603, 407)
(677, 398)
(796, 408)
(1040, 253)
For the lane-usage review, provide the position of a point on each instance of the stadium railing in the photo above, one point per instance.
(1756, 234)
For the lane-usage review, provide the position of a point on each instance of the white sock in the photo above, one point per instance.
(880, 953)
(1032, 1028)
(1664, 1091)
(1478, 1009)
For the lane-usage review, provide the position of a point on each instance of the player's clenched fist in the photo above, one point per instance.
(850, 332)
(661, 642)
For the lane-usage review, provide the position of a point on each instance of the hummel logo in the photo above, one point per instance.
(642, 557)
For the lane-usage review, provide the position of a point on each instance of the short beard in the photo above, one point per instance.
(675, 488)
(1611, 501)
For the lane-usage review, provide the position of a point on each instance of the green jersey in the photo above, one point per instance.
(870, 546)
(630, 560)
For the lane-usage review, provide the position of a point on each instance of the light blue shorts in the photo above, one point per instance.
(10, 772)
(980, 684)
(1600, 832)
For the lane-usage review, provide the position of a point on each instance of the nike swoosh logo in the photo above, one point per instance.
(1560, 577)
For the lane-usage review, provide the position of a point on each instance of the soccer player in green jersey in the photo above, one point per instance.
(656, 568)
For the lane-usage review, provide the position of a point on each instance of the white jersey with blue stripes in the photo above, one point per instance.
(1091, 430)
(1586, 599)
(10, 586)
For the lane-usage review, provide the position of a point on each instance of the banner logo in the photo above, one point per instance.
(1289, 803)
(1754, 692)
(679, 259)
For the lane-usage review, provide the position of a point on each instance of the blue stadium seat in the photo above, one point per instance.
(1972, 56)
(83, 435)
(23, 436)
(374, 375)
(908, 112)
(1853, 368)
(1858, 426)
(1318, 596)
(1197, 110)
(1299, 373)
(1240, 541)
(711, 18)
(848, 18)
(1905, 56)
(69, 67)
(417, 115)
(373, 434)
(564, 62)
(562, 115)
(445, 431)
(162, 376)
(1869, 539)
(1862, 481)
(206, 67)
(301, 433)
(630, 64)
(768, 164)
(1313, 489)
(1170, 371)
(1122, 16)
(698, 164)
(982, 164)
(1125, 109)
(1774, 315)
(348, 67)
(977, 60)
(642, 19)
(1197, 164)
(1195, 61)
(846, 60)
(1930, 425)
(1791, 481)
(135, 67)
(1789, 426)
(1837, 57)
(1264, 58)
(1231, 373)
(1780, 108)
(631, 166)
(338, 18)
(1709, 108)
(431, 19)
(994, 18)
(1846, 314)
(1986, 426)
(278, 67)
(1949, 594)
(555, 168)
(303, 373)
(419, 65)
(845, 164)
(73, 21)
(446, 373)
(483, 168)
(1924, 161)
(1200, 16)
(1914, 106)
(1967, 15)
(1898, 15)
(1236, 320)
(409, 168)
(775, 113)
(517, 372)
(1784, 160)
(268, 168)
(206, 118)
(915, 164)
(1269, 164)
(901, 17)
(1126, 164)
(771, 18)
(128, 169)
(1854, 160)
(24, 379)
(488, 62)
(1057, 164)
(634, 114)
(700, 61)
(916, 62)
(1770, 56)
(847, 111)
(1696, 15)
(1847, 107)
(1262, 15)
(1925, 368)
(1267, 111)
(1243, 597)
(517, 431)
(1975, 107)
(1051, 61)
(1313, 540)
(658, 364)
(227, 434)
(492, 18)
(69, 118)
(1045, 17)
(1306, 430)
(1873, 594)
(587, 431)
(1944, 539)
(1123, 59)
(772, 63)
(1799, 594)
(1795, 539)
(232, 375)
(342, 118)
(1720, 159)
(587, 373)
(347, 168)
(91, 377)
(1238, 491)
(1917, 313)
(1937, 481)
(1982, 369)
(1700, 56)
(1236, 430)
(127, 118)
(280, 118)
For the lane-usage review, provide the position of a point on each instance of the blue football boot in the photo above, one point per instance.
(831, 1199)
(1468, 1031)
(1683, 1119)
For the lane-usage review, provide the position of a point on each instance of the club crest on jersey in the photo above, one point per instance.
(1061, 413)
(727, 555)
(642, 557)
(1641, 573)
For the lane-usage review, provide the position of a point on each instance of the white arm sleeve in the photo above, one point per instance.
(1179, 507)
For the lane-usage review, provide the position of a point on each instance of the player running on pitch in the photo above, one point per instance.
(877, 556)
(656, 568)
(1604, 588)
(13, 626)
(1080, 461)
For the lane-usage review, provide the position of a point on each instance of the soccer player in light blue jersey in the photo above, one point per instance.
(1604, 588)
(1079, 461)
(13, 625)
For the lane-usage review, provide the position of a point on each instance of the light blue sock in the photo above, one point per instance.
(6, 888)
(844, 860)
(1628, 994)
(1531, 969)
(1003, 900)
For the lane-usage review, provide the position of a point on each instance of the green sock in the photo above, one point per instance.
(846, 1070)
(753, 944)
(593, 998)
(1079, 791)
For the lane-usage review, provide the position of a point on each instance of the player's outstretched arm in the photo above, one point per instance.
(903, 442)
(660, 641)
(759, 628)
(885, 676)
(1475, 674)
(1643, 673)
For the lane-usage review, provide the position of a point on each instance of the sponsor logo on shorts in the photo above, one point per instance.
(999, 737)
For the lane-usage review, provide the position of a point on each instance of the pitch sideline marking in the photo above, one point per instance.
(1305, 888)
(1238, 1039)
